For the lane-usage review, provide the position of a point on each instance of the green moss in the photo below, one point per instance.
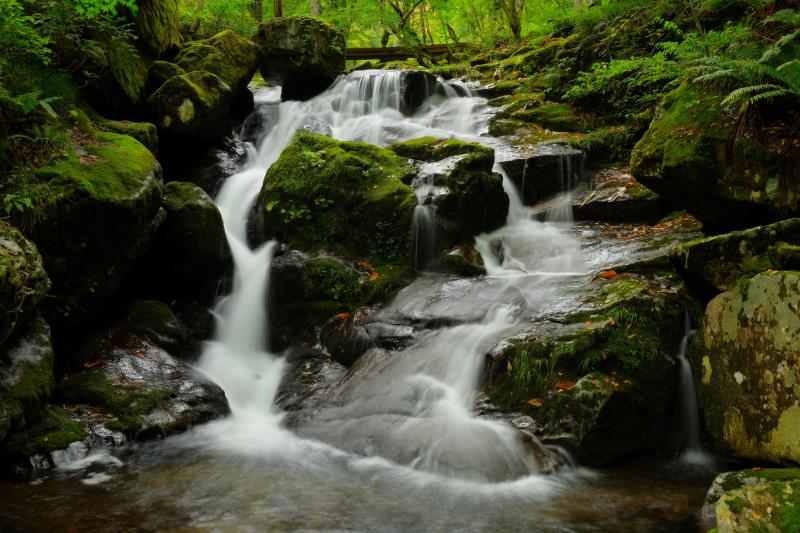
(434, 149)
(144, 132)
(52, 430)
(110, 166)
(227, 55)
(350, 198)
(558, 117)
(127, 403)
(328, 279)
(157, 23)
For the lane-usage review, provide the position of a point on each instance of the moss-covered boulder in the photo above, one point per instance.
(728, 177)
(101, 208)
(142, 390)
(190, 254)
(157, 22)
(615, 196)
(306, 292)
(26, 376)
(156, 321)
(303, 54)
(234, 59)
(39, 443)
(144, 132)
(457, 180)
(344, 197)
(755, 500)
(746, 358)
(23, 280)
(159, 73)
(717, 264)
(603, 382)
(192, 109)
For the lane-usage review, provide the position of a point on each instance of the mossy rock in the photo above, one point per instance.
(157, 322)
(304, 54)
(190, 255)
(746, 360)
(117, 80)
(345, 197)
(234, 59)
(161, 72)
(729, 178)
(101, 210)
(53, 429)
(557, 117)
(23, 280)
(157, 24)
(755, 500)
(435, 149)
(601, 384)
(144, 132)
(192, 109)
(717, 264)
(26, 376)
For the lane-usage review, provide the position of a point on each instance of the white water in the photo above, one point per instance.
(693, 452)
(438, 377)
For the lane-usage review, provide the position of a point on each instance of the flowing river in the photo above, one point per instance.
(401, 448)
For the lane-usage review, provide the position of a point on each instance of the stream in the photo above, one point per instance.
(397, 444)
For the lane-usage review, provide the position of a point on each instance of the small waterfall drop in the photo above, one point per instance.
(693, 452)
(424, 221)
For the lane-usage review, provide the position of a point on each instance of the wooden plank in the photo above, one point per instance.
(395, 52)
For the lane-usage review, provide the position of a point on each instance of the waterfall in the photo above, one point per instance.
(687, 397)
(416, 407)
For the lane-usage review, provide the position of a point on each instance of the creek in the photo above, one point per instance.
(396, 444)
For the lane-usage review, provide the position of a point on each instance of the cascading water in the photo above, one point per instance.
(417, 410)
(693, 452)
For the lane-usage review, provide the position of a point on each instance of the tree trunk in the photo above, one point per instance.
(512, 10)
(314, 8)
(257, 10)
(278, 8)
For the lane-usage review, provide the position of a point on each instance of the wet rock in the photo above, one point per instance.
(344, 197)
(344, 340)
(601, 380)
(23, 280)
(461, 260)
(191, 109)
(190, 254)
(415, 86)
(615, 196)
(754, 500)
(129, 385)
(48, 439)
(716, 264)
(159, 73)
(26, 376)
(456, 178)
(105, 211)
(745, 359)
(158, 323)
(551, 168)
(302, 54)
(693, 156)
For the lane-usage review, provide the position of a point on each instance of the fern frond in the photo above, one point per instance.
(770, 96)
(744, 93)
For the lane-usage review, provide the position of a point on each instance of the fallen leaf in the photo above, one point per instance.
(535, 402)
(307, 374)
(757, 469)
(95, 363)
(509, 368)
(344, 317)
(565, 385)
(609, 274)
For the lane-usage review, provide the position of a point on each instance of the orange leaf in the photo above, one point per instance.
(565, 385)
(609, 274)
(344, 317)
(757, 469)
(535, 402)
(95, 363)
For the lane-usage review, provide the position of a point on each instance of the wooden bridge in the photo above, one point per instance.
(391, 53)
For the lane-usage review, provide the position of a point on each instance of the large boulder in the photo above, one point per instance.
(716, 264)
(344, 197)
(157, 23)
(456, 183)
(548, 169)
(192, 108)
(601, 380)
(141, 388)
(100, 212)
(190, 254)
(747, 357)
(615, 196)
(26, 376)
(698, 156)
(234, 59)
(754, 500)
(303, 54)
(23, 280)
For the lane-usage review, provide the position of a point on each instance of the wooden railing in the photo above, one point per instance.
(390, 53)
